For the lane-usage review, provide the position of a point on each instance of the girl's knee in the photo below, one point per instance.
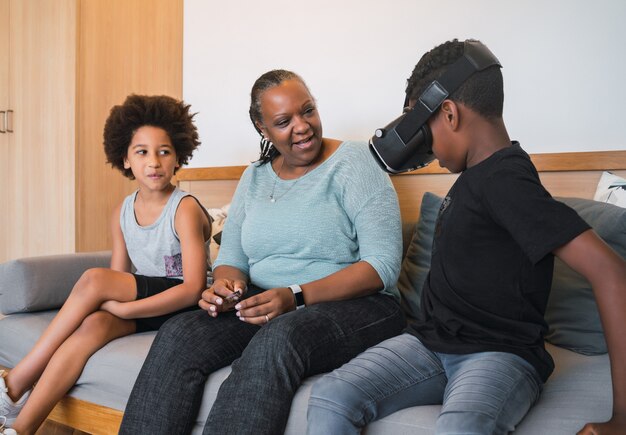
(97, 329)
(91, 282)
(95, 323)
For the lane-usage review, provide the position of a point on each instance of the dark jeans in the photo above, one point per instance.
(268, 364)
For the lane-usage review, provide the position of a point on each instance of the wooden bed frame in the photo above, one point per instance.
(563, 174)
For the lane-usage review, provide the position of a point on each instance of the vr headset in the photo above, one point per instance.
(406, 142)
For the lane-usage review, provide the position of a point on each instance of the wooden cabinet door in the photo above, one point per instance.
(42, 94)
(4, 139)
(57, 191)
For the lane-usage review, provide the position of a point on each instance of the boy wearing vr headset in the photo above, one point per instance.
(477, 346)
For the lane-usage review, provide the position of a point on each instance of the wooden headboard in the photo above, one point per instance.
(563, 174)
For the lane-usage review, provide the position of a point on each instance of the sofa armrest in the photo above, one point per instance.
(41, 283)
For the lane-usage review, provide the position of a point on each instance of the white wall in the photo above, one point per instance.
(563, 64)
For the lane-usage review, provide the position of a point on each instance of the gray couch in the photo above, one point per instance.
(577, 392)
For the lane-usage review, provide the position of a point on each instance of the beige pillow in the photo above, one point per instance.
(219, 218)
(611, 189)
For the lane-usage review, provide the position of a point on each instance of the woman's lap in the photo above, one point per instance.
(302, 343)
(187, 349)
(190, 346)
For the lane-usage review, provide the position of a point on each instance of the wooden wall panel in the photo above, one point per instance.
(411, 188)
(563, 174)
(212, 194)
(125, 46)
(554, 162)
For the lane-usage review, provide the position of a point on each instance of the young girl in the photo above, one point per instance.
(161, 231)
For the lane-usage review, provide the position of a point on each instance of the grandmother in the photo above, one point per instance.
(313, 245)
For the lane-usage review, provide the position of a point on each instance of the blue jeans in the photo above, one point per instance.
(268, 364)
(482, 393)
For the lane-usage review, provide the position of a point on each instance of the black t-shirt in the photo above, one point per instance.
(491, 267)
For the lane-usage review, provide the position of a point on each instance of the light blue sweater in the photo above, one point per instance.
(344, 211)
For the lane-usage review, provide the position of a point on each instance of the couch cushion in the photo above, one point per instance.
(43, 283)
(578, 391)
(572, 314)
(416, 263)
(18, 334)
(218, 216)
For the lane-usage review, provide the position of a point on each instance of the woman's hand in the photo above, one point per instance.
(222, 295)
(262, 308)
(118, 309)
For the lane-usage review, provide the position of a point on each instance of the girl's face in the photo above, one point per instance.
(291, 121)
(152, 158)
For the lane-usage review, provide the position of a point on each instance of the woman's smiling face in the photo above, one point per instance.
(291, 121)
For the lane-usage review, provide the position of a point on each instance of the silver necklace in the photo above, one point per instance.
(276, 198)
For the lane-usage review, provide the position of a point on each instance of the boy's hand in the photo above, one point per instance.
(262, 308)
(615, 426)
(116, 308)
(216, 298)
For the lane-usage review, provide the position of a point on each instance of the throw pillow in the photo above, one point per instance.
(611, 189)
(572, 314)
(416, 263)
(219, 219)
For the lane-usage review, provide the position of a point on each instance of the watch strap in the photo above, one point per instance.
(297, 294)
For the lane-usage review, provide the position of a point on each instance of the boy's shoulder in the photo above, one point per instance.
(512, 158)
(513, 152)
(509, 171)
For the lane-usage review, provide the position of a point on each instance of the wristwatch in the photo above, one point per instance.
(297, 295)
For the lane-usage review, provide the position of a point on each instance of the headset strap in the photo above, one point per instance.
(476, 57)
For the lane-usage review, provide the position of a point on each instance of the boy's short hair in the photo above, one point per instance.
(483, 92)
(138, 111)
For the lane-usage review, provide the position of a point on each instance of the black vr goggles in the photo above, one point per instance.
(406, 143)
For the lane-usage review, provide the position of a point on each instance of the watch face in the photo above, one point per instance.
(299, 299)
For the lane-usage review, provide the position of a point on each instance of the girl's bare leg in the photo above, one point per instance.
(67, 364)
(93, 288)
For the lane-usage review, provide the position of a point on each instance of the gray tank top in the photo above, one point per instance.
(155, 249)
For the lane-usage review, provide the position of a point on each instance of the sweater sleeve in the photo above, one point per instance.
(373, 203)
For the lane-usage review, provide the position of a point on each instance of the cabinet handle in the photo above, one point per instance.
(3, 118)
(7, 123)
